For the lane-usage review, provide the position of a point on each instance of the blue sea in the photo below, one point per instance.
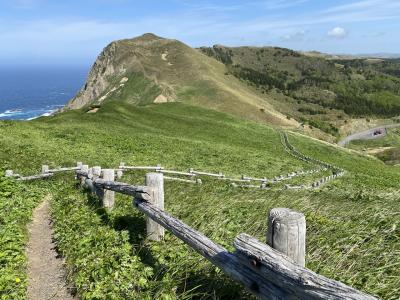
(27, 93)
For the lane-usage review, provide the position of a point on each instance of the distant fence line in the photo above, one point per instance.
(244, 181)
(336, 171)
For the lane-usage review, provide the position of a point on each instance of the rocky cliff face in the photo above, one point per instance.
(113, 68)
(97, 82)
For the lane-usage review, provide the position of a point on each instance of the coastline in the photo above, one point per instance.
(22, 114)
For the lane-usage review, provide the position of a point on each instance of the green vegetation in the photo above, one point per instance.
(307, 84)
(353, 222)
(16, 204)
(386, 149)
(150, 68)
(104, 266)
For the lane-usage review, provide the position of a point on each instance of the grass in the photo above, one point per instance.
(16, 204)
(353, 234)
(389, 145)
(184, 74)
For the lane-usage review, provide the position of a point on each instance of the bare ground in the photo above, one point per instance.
(46, 271)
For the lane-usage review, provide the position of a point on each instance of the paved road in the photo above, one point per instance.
(369, 134)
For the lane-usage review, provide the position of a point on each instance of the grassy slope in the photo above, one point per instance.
(319, 91)
(183, 74)
(390, 155)
(353, 232)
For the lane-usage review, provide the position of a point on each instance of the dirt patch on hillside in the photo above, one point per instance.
(46, 272)
(377, 150)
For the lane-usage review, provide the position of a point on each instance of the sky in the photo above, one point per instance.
(72, 33)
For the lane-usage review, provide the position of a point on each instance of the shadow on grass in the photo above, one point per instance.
(203, 283)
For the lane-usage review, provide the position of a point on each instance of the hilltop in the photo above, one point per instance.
(150, 69)
(328, 95)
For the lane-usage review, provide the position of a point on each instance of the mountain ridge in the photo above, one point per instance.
(151, 69)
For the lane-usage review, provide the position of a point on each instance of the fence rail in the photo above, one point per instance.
(269, 272)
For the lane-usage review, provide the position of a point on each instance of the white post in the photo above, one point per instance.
(79, 165)
(155, 232)
(84, 168)
(45, 169)
(9, 173)
(96, 172)
(287, 233)
(108, 196)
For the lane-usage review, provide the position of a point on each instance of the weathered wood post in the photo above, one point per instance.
(96, 173)
(155, 181)
(9, 173)
(287, 233)
(84, 168)
(119, 174)
(45, 169)
(108, 196)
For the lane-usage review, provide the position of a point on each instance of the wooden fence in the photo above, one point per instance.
(275, 270)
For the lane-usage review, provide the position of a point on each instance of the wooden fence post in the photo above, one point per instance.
(287, 233)
(84, 168)
(119, 174)
(45, 169)
(108, 196)
(155, 232)
(96, 172)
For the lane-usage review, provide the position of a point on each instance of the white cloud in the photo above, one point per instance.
(337, 33)
(297, 36)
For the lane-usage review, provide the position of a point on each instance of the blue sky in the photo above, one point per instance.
(72, 32)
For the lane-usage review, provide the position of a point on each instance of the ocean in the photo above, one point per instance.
(31, 92)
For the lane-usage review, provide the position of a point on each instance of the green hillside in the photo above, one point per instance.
(151, 69)
(321, 91)
(387, 149)
(353, 222)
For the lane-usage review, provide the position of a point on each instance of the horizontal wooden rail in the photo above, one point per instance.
(197, 181)
(244, 177)
(175, 172)
(63, 169)
(141, 192)
(234, 179)
(299, 281)
(220, 175)
(149, 168)
(218, 255)
(262, 270)
(33, 177)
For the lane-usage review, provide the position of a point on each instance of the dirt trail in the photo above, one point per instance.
(46, 272)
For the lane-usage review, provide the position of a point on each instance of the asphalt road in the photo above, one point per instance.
(368, 134)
